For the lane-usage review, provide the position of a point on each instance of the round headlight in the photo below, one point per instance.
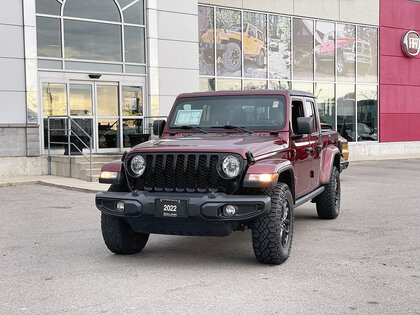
(231, 166)
(137, 165)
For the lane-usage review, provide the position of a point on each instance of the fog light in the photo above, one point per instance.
(229, 210)
(120, 206)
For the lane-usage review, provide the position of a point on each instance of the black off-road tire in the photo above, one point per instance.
(118, 235)
(271, 244)
(260, 59)
(328, 203)
(232, 59)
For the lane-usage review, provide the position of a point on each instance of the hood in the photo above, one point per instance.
(257, 144)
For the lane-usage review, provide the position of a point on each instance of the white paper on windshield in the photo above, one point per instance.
(188, 117)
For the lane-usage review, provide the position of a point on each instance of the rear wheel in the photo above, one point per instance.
(260, 59)
(328, 203)
(232, 58)
(272, 234)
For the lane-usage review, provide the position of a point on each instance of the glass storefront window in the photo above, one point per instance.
(228, 84)
(49, 64)
(346, 112)
(303, 41)
(80, 99)
(52, 7)
(93, 66)
(134, 13)
(134, 44)
(304, 86)
(229, 42)
(279, 85)
(325, 98)
(255, 84)
(77, 126)
(206, 40)
(54, 99)
(108, 133)
(207, 84)
(133, 132)
(92, 41)
(324, 51)
(48, 37)
(132, 101)
(105, 10)
(367, 113)
(107, 100)
(255, 44)
(346, 52)
(367, 54)
(279, 47)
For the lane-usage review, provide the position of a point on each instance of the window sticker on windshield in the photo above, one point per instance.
(275, 104)
(188, 117)
(187, 106)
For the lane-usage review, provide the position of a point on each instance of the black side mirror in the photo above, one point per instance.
(158, 126)
(305, 125)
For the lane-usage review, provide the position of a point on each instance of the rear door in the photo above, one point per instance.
(315, 147)
(302, 156)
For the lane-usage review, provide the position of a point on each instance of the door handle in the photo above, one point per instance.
(309, 149)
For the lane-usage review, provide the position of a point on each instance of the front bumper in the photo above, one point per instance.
(204, 211)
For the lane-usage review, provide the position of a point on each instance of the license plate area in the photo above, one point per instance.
(170, 208)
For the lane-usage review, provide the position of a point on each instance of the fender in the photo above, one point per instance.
(330, 156)
(112, 173)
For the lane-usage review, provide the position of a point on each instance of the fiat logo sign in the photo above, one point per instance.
(411, 44)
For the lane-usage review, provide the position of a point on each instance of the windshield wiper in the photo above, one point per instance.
(233, 127)
(187, 127)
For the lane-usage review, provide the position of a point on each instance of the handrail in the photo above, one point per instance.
(70, 132)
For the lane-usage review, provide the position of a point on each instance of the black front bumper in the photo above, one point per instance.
(204, 211)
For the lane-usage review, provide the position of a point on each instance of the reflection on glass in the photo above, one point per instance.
(80, 99)
(346, 52)
(135, 69)
(228, 34)
(48, 37)
(255, 46)
(346, 116)
(124, 3)
(134, 14)
(367, 113)
(49, 64)
(206, 40)
(279, 85)
(108, 133)
(326, 103)
(107, 100)
(132, 101)
(133, 132)
(367, 54)
(134, 44)
(92, 41)
(303, 63)
(303, 86)
(279, 47)
(48, 7)
(93, 66)
(324, 50)
(32, 107)
(57, 133)
(207, 84)
(105, 10)
(255, 84)
(54, 99)
(228, 84)
(77, 126)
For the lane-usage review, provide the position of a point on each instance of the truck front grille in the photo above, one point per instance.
(182, 172)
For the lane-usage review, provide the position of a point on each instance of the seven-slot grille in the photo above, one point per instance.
(181, 172)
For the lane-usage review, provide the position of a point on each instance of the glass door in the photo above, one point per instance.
(132, 116)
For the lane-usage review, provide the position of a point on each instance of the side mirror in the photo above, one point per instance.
(305, 125)
(158, 126)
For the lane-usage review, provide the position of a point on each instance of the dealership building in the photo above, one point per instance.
(105, 69)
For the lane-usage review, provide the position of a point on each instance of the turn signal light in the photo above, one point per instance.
(265, 178)
(109, 175)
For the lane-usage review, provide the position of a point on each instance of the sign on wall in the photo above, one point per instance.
(410, 43)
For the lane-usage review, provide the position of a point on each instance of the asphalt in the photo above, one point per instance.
(367, 261)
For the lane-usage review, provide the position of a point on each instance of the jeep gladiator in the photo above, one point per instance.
(224, 161)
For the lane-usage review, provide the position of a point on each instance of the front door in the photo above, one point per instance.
(108, 112)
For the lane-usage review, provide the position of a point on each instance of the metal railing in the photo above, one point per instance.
(68, 133)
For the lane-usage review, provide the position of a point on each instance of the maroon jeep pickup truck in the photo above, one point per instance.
(224, 161)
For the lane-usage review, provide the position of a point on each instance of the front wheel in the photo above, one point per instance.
(328, 203)
(272, 234)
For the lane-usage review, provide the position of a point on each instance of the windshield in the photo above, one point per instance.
(237, 28)
(257, 112)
